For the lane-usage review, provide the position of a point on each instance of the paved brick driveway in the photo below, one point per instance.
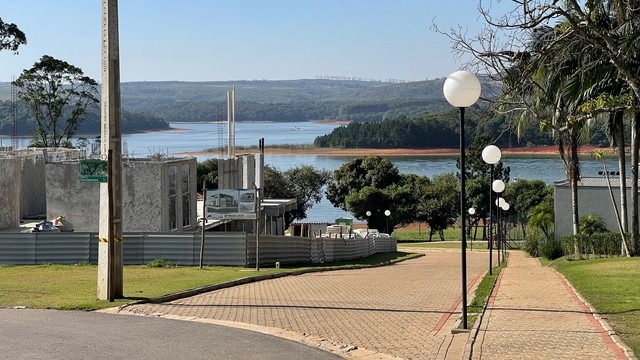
(405, 310)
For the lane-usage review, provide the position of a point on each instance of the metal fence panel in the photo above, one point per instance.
(283, 249)
(18, 249)
(176, 247)
(133, 248)
(222, 248)
(62, 248)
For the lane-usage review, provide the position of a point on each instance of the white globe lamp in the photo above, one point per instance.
(461, 89)
(491, 154)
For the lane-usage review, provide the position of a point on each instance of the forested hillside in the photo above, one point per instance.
(383, 115)
(131, 122)
(287, 100)
(442, 130)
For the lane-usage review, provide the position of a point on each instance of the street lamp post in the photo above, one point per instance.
(472, 212)
(499, 203)
(387, 213)
(505, 208)
(491, 155)
(462, 89)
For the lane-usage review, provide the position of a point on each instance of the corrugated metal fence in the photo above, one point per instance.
(221, 248)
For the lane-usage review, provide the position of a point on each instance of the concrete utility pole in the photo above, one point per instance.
(231, 122)
(110, 230)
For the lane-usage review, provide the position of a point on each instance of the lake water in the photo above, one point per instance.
(199, 136)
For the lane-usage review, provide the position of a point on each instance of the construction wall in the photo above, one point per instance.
(142, 196)
(237, 173)
(145, 195)
(10, 181)
(66, 195)
(33, 192)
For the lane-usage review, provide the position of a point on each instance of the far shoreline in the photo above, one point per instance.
(311, 150)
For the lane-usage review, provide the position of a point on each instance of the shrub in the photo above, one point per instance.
(551, 248)
(532, 245)
(159, 263)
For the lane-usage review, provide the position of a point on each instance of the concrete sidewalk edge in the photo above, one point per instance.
(612, 334)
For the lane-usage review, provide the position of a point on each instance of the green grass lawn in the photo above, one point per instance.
(423, 235)
(75, 286)
(477, 245)
(612, 287)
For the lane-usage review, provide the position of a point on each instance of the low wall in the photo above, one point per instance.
(221, 248)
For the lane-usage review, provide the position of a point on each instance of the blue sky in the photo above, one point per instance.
(209, 40)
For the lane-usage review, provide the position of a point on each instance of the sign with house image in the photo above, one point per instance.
(234, 204)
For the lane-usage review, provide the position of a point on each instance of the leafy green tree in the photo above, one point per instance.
(523, 195)
(356, 174)
(11, 37)
(303, 183)
(57, 94)
(207, 171)
(441, 203)
(374, 200)
(541, 217)
(400, 200)
(306, 184)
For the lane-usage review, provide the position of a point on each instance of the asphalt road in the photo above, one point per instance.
(51, 334)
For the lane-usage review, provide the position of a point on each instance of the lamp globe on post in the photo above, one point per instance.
(499, 185)
(368, 213)
(505, 207)
(462, 89)
(387, 213)
(491, 154)
(471, 212)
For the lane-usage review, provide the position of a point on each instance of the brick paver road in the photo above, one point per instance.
(535, 314)
(406, 310)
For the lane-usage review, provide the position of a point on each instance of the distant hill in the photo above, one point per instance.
(282, 100)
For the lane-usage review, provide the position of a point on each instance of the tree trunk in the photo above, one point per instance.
(624, 248)
(635, 149)
(574, 176)
(622, 165)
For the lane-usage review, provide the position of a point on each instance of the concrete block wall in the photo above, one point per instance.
(78, 201)
(33, 191)
(10, 180)
(144, 195)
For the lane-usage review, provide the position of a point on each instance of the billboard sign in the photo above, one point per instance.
(230, 204)
(93, 171)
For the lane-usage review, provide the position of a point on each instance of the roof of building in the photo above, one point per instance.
(594, 182)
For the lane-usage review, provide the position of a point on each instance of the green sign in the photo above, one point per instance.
(93, 171)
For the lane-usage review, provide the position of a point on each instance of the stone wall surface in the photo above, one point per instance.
(33, 191)
(143, 199)
(9, 193)
(66, 195)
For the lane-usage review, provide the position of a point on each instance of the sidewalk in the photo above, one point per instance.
(407, 311)
(534, 313)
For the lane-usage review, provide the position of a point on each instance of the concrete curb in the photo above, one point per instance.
(468, 348)
(612, 334)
